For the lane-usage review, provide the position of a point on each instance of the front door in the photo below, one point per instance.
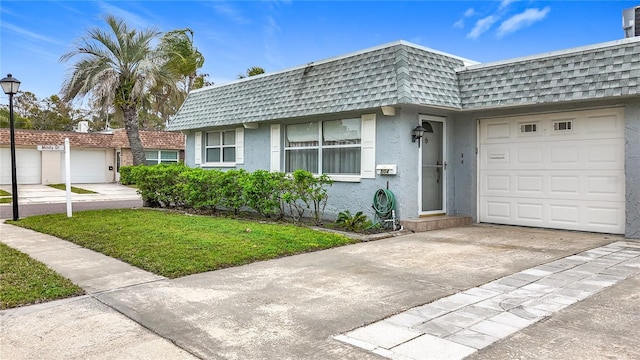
(433, 166)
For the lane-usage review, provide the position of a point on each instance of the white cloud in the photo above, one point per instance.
(460, 23)
(522, 20)
(482, 25)
(31, 35)
(505, 3)
(230, 12)
(129, 17)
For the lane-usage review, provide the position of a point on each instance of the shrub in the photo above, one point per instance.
(262, 192)
(355, 222)
(231, 187)
(159, 185)
(306, 192)
(130, 175)
(201, 188)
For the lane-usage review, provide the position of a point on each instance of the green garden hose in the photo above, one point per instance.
(384, 203)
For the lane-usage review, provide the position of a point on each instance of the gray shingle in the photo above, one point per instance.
(395, 74)
(582, 74)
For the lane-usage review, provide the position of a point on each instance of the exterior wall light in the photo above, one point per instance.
(417, 133)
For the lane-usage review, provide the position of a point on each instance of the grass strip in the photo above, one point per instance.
(5, 200)
(4, 193)
(25, 281)
(75, 190)
(173, 244)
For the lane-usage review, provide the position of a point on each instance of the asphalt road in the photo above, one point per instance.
(25, 210)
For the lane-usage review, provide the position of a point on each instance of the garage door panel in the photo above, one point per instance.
(565, 172)
(529, 211)
(564, 214)
(560, 185)
(87, 166)
(497, 210)
(28, 166)
(603, 125)
(531, 184)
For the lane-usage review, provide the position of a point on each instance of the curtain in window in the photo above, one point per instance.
(339, 132)
(302, 135)
(305, 159)
(341, 160)
(344, 159)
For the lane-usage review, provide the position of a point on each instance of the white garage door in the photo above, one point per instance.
(87, 166)
(562, 170)
(28, 166)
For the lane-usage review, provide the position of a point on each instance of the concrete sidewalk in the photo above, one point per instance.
(293, 307)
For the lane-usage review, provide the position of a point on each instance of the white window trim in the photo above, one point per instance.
(239, 146)
(159, 159)
(367, 150)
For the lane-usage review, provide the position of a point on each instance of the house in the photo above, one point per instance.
(549, 141)
(95, 157)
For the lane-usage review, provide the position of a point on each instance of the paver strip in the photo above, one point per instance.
(456, 326)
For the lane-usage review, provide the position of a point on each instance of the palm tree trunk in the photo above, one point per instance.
(131, 126)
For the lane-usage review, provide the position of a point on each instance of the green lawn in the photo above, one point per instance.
(173, 244)
(75, 190)
(4, 193)
(5, 200)
(25, 281)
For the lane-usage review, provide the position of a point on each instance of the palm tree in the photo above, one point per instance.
(252, 71)
(118, 68)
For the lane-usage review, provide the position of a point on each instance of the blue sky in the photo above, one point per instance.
(275, 35)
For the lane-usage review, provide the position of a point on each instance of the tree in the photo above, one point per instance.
(118, 68)
(252, 71)
(182, 57)
(47, 114)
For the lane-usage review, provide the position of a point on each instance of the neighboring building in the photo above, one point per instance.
(95, 157)
(547, 141)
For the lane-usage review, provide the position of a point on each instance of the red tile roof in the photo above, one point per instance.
(117, 139)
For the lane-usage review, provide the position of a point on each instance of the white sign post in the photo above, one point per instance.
(67, 169)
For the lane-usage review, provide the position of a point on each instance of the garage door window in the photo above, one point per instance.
(155, 157)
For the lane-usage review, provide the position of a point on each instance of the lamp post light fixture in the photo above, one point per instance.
(10, 86)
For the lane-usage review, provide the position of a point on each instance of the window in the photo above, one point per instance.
(330, 147)
(562, 125)
(220, 147)
(529, 128)
(155, 157)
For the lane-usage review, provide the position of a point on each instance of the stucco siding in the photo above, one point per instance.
(256, 148)
(632, 169)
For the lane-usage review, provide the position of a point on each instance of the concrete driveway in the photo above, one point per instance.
(289, 308)
(42, 199)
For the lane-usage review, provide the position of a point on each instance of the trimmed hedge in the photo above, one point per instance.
(270, 194)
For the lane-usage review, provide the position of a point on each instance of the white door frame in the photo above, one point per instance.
(442, 120)
(118, 164)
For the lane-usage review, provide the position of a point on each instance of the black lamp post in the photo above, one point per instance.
(10, 87)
